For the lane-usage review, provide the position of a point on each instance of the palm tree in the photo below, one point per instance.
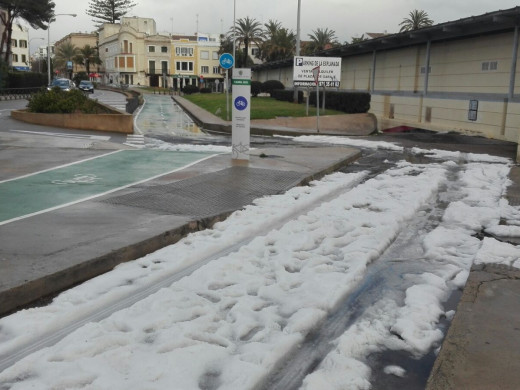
(279, 45)
(416, 20)
(87, 56)
(64, 53)
(247, 31)
(321, 39)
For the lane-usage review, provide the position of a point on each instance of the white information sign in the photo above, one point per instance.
(241, 111)
(330, 71)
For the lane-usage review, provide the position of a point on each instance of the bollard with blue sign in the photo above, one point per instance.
(241, 108)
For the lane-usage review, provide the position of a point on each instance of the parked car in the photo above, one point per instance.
(64, 84)
(86, 86)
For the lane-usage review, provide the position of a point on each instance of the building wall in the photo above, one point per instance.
(20, 48)
(461, 70)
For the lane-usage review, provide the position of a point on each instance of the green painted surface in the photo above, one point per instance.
(87, 179)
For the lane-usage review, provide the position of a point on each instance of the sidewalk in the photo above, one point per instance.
(44, 254)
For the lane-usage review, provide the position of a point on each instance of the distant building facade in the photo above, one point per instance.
(132, 52)
(78, 40)
(19, 48)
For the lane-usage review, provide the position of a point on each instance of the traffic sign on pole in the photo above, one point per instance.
(226, 61)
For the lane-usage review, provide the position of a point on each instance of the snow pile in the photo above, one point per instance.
(358, 142)
(459, 156)
(412, 326)
(231, 321)
(496, 252)
(152, 143)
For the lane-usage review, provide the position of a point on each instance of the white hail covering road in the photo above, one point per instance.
(236, 317)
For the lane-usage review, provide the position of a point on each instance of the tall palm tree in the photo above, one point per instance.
(280, 44)
(87, 56)
(247, 31)
(416, 20)
(321, 39)
(64, 53)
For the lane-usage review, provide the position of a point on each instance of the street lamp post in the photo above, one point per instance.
(49, 43)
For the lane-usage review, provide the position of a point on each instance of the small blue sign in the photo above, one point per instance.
(226, 61)
(240, 103)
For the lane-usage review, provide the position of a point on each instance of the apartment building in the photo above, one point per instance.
(455, 76)
(20, 48)
(132, 52)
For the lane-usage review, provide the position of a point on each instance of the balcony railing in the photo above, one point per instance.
(157, 71)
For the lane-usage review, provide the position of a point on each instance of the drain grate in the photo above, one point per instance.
(213, 193)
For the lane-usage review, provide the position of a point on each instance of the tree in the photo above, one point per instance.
(247, 31)
(360, 39)
(108, 11)
(36, 13)
(64, 53)
(416, 20)
(87, 56)
(279, 43)
(321, 39)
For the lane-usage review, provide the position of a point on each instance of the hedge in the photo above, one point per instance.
(270, 85)
(189, 89)
(286, 95)
(256, 88)
(349, 102)
(26, 80)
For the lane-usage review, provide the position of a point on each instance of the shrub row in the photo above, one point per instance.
(25, 80)
(349, 102)
(286, 95)
(57, 101)
(189, 89)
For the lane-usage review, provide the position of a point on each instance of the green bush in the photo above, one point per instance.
(205, 90)
(189, 89)
(286, 95)
(256, 88)
(57, 101)
(26, 80)
(270, 85)
(349, 102)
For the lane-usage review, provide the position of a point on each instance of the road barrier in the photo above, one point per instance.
(17, 93)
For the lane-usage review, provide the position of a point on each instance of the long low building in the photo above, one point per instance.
(455, 76)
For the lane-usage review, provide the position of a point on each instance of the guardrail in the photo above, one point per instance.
(17, 93)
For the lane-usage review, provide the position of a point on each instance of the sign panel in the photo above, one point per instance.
(330, 71)
(241, 110)
(226, 61)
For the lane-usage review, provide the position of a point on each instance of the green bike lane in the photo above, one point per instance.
(87, 179)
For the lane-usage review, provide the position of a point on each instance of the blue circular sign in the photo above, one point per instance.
(240, 103)
(226, 61)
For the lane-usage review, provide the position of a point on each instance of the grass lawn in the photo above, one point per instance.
(261, 107)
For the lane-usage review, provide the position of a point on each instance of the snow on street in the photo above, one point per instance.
(272, 273)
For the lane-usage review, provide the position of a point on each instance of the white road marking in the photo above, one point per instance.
(65, 135)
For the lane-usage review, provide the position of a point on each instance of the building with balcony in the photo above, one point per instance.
(132, 52)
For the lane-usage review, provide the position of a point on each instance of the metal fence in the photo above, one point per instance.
(17, 93)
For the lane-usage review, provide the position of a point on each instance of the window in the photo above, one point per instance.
(204, 69)
(184, 51)
(24, 58)
(423, 69)
(14, 43)
(204, 55)
(151, 49)
(215, 55)
(184, 66)
(164, 67)
(23, 44)
(216, 70)
(164, 49)
(151, 67)
(15, 57)
(255, 51)
(489, 66)
(125, 46)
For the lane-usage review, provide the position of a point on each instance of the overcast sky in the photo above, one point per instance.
(348, 18)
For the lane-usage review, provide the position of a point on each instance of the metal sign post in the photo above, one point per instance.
(316, 75)
(241, 124)
(227, 61)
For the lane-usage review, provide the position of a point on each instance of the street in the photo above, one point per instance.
(347, 283)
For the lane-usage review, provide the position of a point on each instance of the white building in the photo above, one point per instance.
(20, 48)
